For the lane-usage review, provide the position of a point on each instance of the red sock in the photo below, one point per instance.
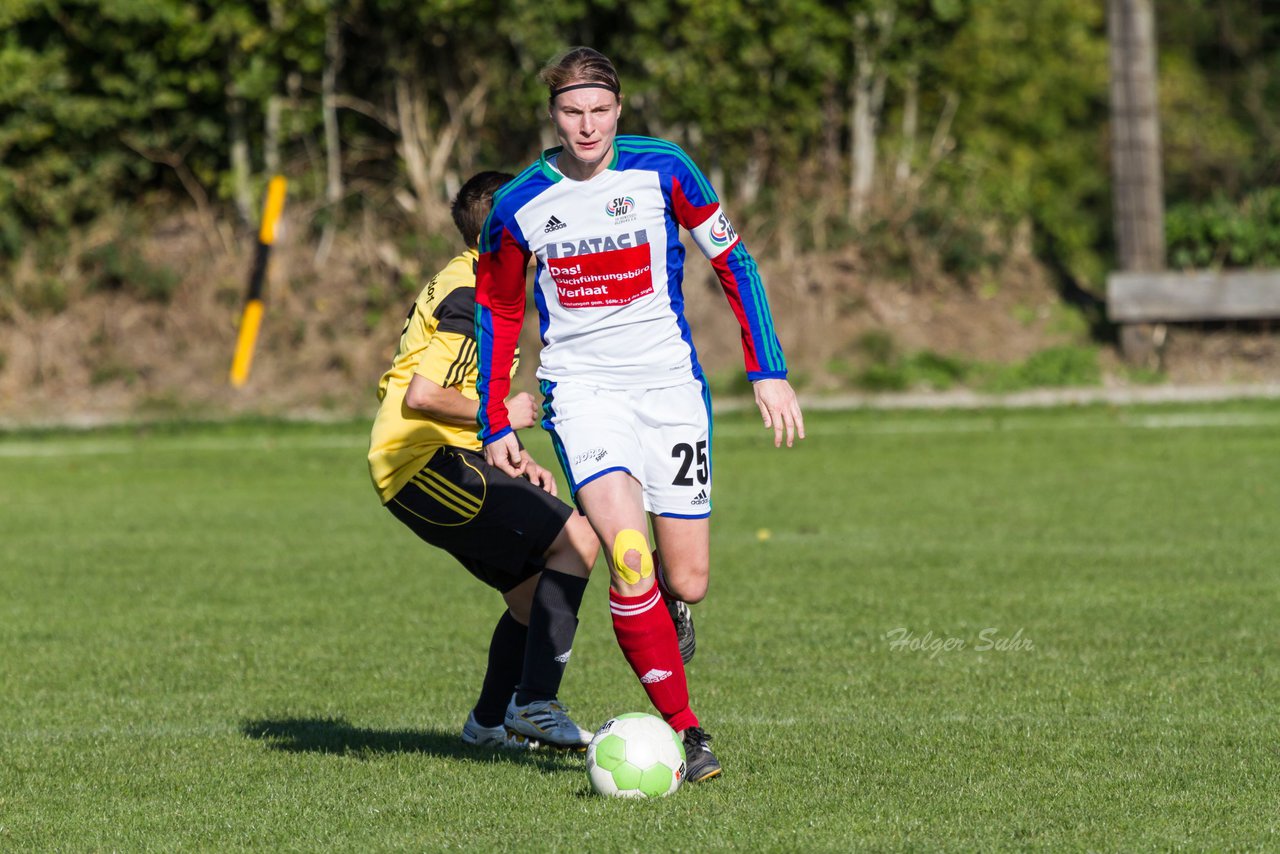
(648, 640)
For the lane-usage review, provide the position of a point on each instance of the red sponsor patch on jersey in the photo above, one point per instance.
(601, 279)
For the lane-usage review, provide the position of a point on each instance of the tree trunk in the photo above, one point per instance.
(826, 206)
(910, 126)
(427, 150)
(271, 129)
(757, 164)
(271, 136)
(241, 178)
(868, 98)
(942, 142)
(463, 110)
(332, 140)
(862, 146)
(1135, 136)
(1137, 187)
(411, 121)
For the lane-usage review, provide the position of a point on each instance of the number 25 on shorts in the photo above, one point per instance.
(687, 454)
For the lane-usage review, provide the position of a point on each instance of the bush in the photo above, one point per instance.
(937, 371)
(120, 267)
(960, 245)
(1221, 233)
(889, 370)
(1056, 367)
(41, 295)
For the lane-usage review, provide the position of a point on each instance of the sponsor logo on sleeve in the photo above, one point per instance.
(722, 233)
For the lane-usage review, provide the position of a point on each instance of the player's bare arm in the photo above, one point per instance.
(780, 410)
(449, 404)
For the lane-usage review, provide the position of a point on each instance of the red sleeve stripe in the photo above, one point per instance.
(689, 216)
(741, 283)
(500, 302)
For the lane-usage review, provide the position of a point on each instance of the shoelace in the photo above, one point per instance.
(558, 713)
(694, 737)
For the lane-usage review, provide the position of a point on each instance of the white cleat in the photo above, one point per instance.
(547, 722)
(494, 736)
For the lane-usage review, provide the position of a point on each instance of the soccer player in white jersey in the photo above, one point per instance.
(625, 399)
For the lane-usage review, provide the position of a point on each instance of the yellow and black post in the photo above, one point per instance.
(251, 320)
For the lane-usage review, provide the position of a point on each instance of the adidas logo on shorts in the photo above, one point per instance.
(563, 657)
(655, 675)
(701, 498)
(554, 224)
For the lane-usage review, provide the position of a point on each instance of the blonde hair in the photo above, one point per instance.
(582, 64)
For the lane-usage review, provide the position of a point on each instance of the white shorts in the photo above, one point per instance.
(661, 437)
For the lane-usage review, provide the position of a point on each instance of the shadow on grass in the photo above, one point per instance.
(337, 736)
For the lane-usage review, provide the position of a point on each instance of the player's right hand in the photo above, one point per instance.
(538, 476)
(505, 455)
(779, 409)
(522, 411)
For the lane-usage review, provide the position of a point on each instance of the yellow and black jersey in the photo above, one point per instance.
(439, 344)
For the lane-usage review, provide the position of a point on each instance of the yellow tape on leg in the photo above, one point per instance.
(630, 539)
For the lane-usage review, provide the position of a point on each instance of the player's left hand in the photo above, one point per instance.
(522, 411)
(506, 455)
(539, 476)
(780, 410)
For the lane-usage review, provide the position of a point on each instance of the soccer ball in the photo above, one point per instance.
(635, 756)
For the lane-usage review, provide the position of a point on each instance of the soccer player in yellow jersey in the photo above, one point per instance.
(512, 533)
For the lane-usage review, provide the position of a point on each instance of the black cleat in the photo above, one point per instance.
(700, 763)
(683, 619)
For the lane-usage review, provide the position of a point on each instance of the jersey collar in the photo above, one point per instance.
(553, 174)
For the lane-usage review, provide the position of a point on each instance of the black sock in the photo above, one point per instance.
(506, 662)
(553, 621)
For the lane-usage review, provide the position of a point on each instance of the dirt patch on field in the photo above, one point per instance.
(330, 330)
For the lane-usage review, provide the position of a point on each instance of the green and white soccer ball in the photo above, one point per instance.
(635, 756)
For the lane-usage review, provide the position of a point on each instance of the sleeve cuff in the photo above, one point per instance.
(753, 376)
(493, 437)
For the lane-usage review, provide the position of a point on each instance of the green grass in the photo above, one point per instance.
(213, 638)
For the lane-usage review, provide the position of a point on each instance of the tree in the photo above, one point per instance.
(1029, 138)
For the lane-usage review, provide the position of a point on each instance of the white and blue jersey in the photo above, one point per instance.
(608, 278)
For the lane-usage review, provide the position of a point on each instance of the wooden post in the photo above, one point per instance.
(251, 319)
(1137, 187)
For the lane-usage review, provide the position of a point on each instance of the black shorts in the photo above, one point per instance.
(497, 526)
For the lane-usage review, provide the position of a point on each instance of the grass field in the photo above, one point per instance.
(213, 638)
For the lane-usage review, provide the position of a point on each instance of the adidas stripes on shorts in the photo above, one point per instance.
(661, 437)
(499, 527)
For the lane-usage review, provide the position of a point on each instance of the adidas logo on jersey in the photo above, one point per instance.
(701, 498)
(655, 675)
(554, 224)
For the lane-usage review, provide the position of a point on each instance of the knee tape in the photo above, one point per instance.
(628, 539)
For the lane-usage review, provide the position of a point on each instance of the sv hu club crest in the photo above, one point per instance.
(620, 206)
